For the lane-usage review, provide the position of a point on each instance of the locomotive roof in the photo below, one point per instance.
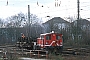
(49, 33)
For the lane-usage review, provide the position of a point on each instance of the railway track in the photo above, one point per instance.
(13, 50)
(6, 51)
(76, 51)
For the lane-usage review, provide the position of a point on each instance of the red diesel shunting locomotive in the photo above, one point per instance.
(50, 41)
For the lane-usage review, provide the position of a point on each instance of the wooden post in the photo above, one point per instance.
(46, 54)
(38, 54)
(30, 54)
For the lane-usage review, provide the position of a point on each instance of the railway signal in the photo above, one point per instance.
(37, 3)
(7, 2)
(57, 3)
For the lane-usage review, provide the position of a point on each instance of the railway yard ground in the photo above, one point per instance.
(11, 52)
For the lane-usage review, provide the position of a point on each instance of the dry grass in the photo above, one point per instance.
(76, 57)
(69, 57)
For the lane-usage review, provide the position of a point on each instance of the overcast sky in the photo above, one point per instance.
(67, 8)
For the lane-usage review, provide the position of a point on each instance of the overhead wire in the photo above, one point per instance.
(58, 10)
(66, 9)
(69, 8)
(50, 11)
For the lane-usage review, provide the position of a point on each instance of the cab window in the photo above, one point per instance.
(42, 37)
(57, 37)
(48, 37)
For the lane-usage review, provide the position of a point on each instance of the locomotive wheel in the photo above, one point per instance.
(49, 49)
(58, 50)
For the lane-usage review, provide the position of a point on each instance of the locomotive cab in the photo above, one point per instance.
(50, 41)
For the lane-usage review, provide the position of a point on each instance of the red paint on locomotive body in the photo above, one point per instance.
(50, 39)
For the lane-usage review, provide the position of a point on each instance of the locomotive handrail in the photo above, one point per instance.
(50, 44)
